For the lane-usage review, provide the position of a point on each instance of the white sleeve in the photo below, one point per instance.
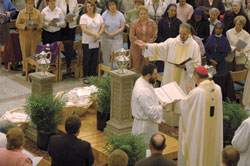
(157, 51)
(241, 137)
(153, 111)
(83, 20)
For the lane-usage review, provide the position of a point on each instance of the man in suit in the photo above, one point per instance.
(67, 149)
(156, 145)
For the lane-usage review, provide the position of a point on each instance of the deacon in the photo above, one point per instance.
(175, 50)
(201, 123)
(146, 108)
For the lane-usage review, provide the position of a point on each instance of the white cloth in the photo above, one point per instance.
(174, 50)
(200, 134)
(109, 45)
(156, 13)
(246, 92)
(146, 109)
(241, 141)
(73, 9)
(93, 25)
(49, 15)
(185, 12)
(3, 140)
(233, 37)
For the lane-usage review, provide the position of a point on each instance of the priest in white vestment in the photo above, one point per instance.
(241, 141)
(201, 123)
(146, 108)
(246, 92)
(175, 50)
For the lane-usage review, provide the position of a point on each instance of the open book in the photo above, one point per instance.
(241, 44)
(70, 15)
(169, 93)
(32, 23)
(35, 160)
(56, 19)
(182, 63)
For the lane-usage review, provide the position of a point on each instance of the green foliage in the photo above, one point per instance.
(233, 115)
(133, 145)
(103, 97)
(45, 111)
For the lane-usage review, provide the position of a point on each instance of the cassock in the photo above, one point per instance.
(246, 92)
(176, 51)
(146, 109)
(201, 126)
(241, 141)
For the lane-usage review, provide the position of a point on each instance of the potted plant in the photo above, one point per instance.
(45, 112)
(233, 115)
(133, 145)
(102, 99)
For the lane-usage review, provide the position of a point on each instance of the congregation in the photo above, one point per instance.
(164, 32)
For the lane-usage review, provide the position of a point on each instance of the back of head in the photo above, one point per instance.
(118, 158)
(230, 156)
(158, 141)
(73, 124)
(201, 71)
(148, 69)
(15, 138)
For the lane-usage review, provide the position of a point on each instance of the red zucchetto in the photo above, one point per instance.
(201, 70)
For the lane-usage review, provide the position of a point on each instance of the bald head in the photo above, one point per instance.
(158, 141)
(230, 156)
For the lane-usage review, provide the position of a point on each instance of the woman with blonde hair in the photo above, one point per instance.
(12, 155)
(144, 29)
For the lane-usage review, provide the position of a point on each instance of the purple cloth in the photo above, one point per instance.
(54, 48)
(217, 48)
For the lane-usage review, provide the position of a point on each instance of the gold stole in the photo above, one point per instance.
(210, 127)
(181, 55)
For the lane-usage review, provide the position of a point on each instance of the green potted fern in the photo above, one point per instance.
(133, 145)
(45, 112)
(102, 99)
(233, 115)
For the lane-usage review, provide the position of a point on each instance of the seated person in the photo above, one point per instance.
(5, 125)
(12, 155)
(156, 145)
(67, 149)
(118, 158)
(230, 156)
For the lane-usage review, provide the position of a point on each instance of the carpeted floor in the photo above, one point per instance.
(32, 146)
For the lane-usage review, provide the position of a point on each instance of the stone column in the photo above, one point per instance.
(42, 83)
(121, 91)
(39, 84)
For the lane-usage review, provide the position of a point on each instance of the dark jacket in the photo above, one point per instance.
(228, 20)
(155, 159)
(168, 28)
(216, 4)
(68, 150)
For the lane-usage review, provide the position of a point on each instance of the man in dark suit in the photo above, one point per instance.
(156, 145)
(67, 149)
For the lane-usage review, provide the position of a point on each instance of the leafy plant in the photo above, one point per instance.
(103, 96)
(233, 115)
(45, 111)
(133, 145)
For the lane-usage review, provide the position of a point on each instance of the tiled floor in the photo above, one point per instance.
(14, 89)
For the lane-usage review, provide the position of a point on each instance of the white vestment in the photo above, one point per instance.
(241, 141)
(174, 50)
(246, 92)
(201, 126)
(146, 109)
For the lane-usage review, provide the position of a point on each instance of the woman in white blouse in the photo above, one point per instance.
(92, 28)
(238, 59)
(53, 21)
(71, 13)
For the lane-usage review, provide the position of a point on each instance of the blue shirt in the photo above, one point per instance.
(8, 7)
(113, 23)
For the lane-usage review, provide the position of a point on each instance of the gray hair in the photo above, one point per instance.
(214, 10)
(240, 19)
(186, 26)
(237, 2)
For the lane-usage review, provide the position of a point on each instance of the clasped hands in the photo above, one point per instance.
(6, 13)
